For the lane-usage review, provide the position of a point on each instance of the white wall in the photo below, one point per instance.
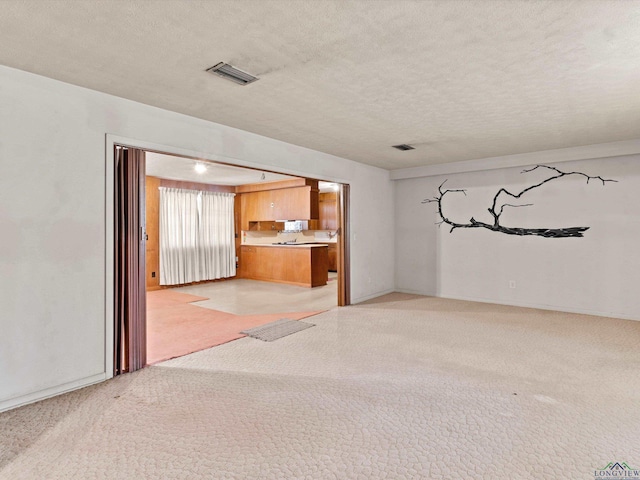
(596, 274)
(53, 226)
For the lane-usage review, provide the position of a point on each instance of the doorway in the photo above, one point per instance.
(130, 327)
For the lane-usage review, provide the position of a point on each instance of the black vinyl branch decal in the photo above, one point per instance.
(496, 211)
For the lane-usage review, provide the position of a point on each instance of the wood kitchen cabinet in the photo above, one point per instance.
(254, 263)
(328, 211)
(298, 203)
(266, 226)
(306, 266)
(332, 255)
(248, 262)
(256, 207)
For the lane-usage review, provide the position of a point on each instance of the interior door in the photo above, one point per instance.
(129, 276)
(344, 254)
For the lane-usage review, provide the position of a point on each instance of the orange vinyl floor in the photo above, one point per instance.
(175, 327)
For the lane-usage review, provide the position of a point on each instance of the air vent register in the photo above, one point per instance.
(232, 73)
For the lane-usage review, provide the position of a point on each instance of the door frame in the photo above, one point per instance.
(111, 141)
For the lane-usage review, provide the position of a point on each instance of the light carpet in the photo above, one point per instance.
(402, 387)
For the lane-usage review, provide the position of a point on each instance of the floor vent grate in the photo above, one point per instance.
(278, 329)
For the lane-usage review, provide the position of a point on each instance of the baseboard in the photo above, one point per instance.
(369, 297)
(15, 402)
(554, 308)
(414, 292)
(540, 306)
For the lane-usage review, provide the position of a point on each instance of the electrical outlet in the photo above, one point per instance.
(153, 274)
(512, 284)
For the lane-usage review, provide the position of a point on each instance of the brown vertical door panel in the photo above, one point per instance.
(344, 273)
(130, 246)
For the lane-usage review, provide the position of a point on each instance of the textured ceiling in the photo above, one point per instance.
(179, 168)
(457, 79)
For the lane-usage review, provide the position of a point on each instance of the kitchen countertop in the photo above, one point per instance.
(291, 245)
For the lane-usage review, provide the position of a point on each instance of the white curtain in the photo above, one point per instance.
(216, 239)
(196, 236)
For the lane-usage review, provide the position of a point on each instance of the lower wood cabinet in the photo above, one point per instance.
(333, 257)
(303, 266)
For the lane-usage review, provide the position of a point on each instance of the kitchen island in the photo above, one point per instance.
(304, 264)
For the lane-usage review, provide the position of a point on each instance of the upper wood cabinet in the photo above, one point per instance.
(328, 211)
(298, 203)
(255, 207)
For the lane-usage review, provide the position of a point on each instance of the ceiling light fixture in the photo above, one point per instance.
(232, 73)
(200, 168)
(404, 147)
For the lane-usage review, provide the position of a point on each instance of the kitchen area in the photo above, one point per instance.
(284, 230)
(288, 232)
(276, 235)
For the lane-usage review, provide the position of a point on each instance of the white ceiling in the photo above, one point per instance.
(459, 80)
(179, 168)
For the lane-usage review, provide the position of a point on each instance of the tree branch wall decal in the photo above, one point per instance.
(497, 208)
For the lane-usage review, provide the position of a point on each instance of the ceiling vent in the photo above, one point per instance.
(404, 147)
(232, 73)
